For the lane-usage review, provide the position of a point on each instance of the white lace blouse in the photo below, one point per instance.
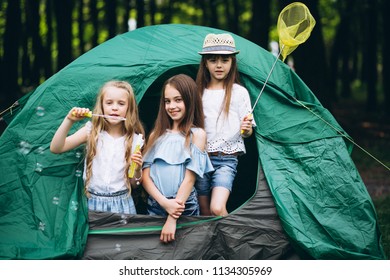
(223, 132)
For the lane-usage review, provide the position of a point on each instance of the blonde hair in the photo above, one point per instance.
(131, 125)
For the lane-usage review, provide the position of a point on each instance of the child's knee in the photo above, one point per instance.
(218, 210)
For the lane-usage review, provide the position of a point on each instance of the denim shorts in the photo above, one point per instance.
(117, 202)
(191, 206)
(225, 170)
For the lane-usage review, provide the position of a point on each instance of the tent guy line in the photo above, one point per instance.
(341, 133)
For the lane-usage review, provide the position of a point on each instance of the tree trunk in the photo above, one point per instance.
(386, 56)
(63, 12)
(37, 46)
(47, 52)
(370, 55)
(153, 10)
(233, 15)
(126, 18)
(9, 85)
(213, 19)
(346, 46)
(205, 11)
(81, 27)
(141, 13)
(26, 69)
(94, 18)
(340, 54)
(111, 16)
(260, 22)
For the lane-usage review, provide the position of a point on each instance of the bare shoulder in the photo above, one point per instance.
(199, 138)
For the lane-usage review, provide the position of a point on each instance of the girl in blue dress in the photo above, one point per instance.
(175, 154)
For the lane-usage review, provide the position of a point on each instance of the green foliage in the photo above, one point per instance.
(185, 13)
(3, 8)
(330, 18)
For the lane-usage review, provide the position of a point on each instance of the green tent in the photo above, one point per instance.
(297, 193)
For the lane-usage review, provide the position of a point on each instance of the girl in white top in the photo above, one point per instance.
(226, 106)
(109, 140)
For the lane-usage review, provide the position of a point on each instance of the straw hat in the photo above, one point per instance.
(219, 44)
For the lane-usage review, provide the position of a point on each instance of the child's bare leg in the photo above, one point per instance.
(204, 205)
(219, 198)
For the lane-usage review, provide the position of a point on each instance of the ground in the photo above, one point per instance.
(371, 133)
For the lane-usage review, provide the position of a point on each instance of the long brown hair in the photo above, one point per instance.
(193, 115)
(131, 125)
(203, 78)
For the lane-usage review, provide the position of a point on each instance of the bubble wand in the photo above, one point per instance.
(138, 145)
(90, 115)
(294, 26)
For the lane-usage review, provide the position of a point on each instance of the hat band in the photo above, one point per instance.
(218, 48)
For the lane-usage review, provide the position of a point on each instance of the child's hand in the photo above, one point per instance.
(137, 158)
(246, 125)
(77, 114)
(174, 208)
(168, 231)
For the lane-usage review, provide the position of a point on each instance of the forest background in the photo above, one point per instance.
(345, 61)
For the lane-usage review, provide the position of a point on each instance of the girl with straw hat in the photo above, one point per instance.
(226, 105)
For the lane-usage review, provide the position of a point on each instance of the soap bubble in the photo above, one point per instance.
(118, 247)
(41, 226)
(38, 167)
(24, 147)
(40, 150)
(56, 200)
(78, 173)
(40, 111)
(74, 205)
(123, 219)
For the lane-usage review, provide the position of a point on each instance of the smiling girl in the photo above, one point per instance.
(175, 154)
(110, 141)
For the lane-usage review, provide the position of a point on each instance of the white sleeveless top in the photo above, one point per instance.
(108, 166)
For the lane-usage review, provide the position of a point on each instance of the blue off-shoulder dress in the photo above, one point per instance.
(168, 160)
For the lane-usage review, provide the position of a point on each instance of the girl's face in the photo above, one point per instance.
(115, 103)
(174, 104)
(219, 67)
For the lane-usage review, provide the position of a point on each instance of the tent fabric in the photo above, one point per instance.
(319, 207)
(253, 232)
(330, 214)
